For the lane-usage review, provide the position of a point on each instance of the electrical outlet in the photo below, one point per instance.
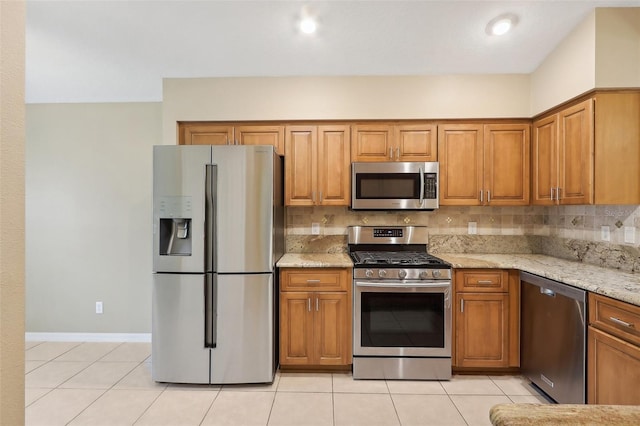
(473, 228)
(315, 228)
(630, 234)
(605, 233)
(98, 307)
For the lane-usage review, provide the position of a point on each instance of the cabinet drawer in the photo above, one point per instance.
(617, 318)
(482, 280)
(314, 279)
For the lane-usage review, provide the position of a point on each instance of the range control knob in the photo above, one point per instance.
(436, 273)
(402, 274)
(424, 275)
(382, 273)
(368, 273)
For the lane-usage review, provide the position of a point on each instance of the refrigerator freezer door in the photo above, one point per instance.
(179, 200)
(245, 350)
(178, 350)
(244, 208)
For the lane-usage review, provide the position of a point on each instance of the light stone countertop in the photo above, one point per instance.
(315, 260)
(619, 285)
(563, 414)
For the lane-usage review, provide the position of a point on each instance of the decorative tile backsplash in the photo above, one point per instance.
(574, 222)
(568, 232)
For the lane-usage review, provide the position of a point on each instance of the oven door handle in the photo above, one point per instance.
(400, 284)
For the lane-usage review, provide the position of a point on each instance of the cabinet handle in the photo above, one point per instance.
(313, 196)
(485, 282)
(552, 188)
(481, 195)
(558, 189)
(488, 196)
(398, 153)
(320, 196)
(313, 281)
(317, 305)
(390, 153)
(309, 304)
(236, 142)
(622, 323)
(461, 305)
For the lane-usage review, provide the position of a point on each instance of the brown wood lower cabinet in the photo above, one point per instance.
(315, 325)
(486, 319)
(613, 359)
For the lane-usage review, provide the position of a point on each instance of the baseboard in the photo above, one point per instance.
(87, 337)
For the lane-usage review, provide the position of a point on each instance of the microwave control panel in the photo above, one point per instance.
(430, 186)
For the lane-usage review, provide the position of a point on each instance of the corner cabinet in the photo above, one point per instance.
(484, 164)
(208, 133)
(486, 319)
(315, 317)
(613, 354)
(394, 142)
(317, 166)
(588, 152)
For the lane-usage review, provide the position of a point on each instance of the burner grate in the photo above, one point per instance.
(408, 258)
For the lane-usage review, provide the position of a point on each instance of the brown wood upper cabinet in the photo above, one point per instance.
(203, 133)
(388, 142)
(317, 166)
(589, 152)
(484, 164)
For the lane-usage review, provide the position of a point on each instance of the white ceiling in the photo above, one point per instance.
(119, 50)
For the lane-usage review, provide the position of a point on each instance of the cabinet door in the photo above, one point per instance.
(460, 157)
(416, 142)
(300, 166)
(545, 160)
(334, 165)
(482, 330)
(575, 154)
(506, 164)
(372, 142)
(261, 135)
(613, 370)
(331, 329)
(296, 328)
(204, 134)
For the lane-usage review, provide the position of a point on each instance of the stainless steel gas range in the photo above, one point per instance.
(402, 305)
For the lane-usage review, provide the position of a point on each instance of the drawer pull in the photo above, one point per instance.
(313, 281)
(622, 323)
(485, 282)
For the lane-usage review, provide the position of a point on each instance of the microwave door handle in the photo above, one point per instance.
(421, 186)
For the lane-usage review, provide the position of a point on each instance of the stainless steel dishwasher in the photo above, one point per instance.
(553, 338)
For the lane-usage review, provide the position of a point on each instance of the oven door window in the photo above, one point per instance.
(407, 320)
(388, 186)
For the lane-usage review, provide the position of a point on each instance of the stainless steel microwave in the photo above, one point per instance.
(394, 186)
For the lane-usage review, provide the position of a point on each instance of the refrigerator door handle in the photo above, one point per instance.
(211, 194)
(210, 311)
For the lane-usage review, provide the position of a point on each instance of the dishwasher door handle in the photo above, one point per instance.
(547, 292)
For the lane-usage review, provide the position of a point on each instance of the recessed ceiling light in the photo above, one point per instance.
(501, 25)
(308, 25)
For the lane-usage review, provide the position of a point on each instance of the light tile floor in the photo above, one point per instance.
(110, 384)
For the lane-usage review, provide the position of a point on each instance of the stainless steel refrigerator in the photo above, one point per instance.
(218, 229)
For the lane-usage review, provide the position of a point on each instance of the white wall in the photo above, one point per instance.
(308, 98)
(617, 47)
(568, 71)
(88, 216)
